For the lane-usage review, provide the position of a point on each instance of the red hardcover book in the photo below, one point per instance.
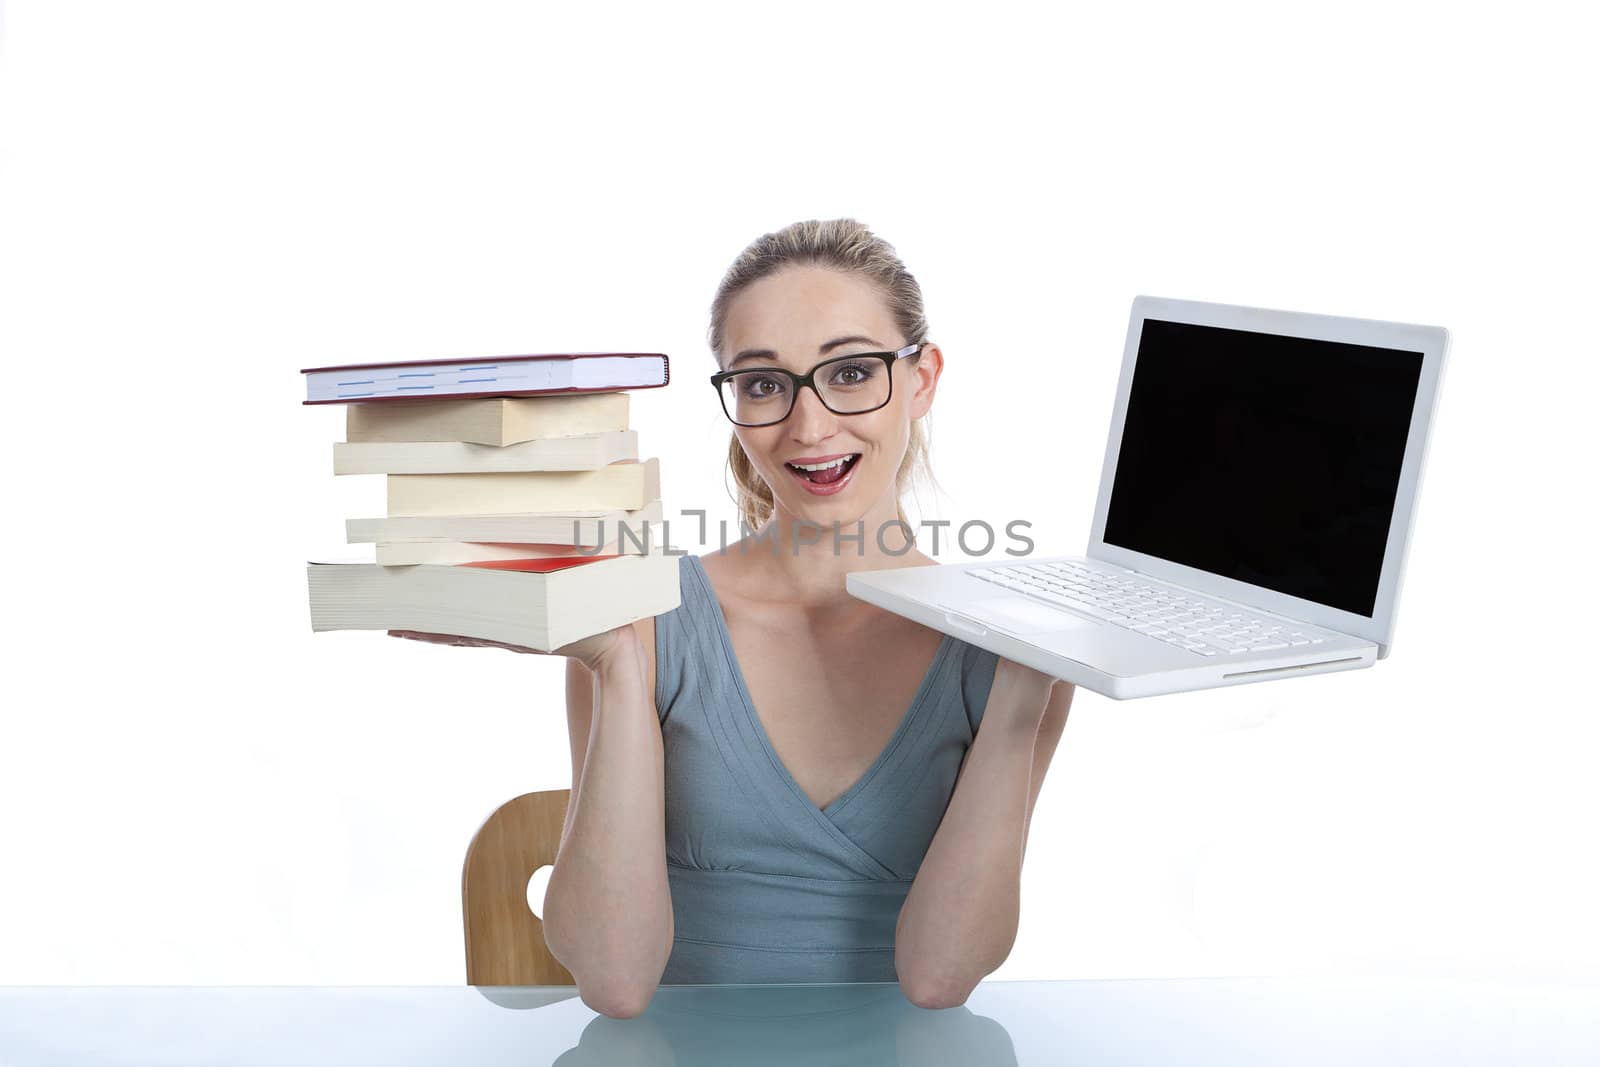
(537, 375)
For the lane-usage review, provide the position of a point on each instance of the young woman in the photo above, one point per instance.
(776, 781)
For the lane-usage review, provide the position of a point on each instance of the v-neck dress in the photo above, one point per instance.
(766, 886)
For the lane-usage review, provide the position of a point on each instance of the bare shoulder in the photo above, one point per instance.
(725, 571)
(715, 565)
(912, 558)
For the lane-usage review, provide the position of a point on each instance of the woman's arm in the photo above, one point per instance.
(959, 920)
(608, 909)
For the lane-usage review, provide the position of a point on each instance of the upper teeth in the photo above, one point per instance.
(820, 466)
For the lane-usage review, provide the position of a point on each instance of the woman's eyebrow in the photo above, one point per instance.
(767, 353)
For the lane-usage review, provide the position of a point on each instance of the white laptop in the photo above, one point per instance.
(1257, 495)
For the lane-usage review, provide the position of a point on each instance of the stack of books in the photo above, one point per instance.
(519, 510)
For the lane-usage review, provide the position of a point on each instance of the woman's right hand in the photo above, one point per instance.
(591, 651)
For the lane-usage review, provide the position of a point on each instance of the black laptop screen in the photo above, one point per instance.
(1271, 460)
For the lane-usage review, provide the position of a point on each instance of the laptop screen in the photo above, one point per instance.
(1266, 459)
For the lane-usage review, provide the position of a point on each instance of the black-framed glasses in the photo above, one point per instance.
(846, 385)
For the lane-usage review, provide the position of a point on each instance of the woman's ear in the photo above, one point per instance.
(925, 376)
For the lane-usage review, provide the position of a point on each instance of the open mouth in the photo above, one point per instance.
(825, 473)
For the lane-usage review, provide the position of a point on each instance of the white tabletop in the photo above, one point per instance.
(1232, 1021)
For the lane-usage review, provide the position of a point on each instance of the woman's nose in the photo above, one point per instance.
(811, 420)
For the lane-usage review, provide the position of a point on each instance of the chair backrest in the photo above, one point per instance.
(505, 939)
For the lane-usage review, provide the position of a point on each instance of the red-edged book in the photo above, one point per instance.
(535, 564)
(541, 604)
(538, 375)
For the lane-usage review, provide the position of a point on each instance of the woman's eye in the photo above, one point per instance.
(758, 388)
(852, 374)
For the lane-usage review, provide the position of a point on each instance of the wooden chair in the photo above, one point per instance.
(505, 939)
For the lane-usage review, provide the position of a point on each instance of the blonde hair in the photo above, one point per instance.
(837, 244)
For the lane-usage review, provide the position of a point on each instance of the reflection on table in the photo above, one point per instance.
(1233, 1021)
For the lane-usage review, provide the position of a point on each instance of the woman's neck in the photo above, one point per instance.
(802, 562)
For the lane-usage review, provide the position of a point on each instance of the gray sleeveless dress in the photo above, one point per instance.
(766, 886)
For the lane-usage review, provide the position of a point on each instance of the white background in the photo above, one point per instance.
(201, 199)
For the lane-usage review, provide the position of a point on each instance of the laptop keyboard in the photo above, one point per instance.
(1203, 627)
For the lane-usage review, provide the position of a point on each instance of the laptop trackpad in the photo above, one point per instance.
(1018, 616)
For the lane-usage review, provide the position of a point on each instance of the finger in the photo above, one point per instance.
(418, 635)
